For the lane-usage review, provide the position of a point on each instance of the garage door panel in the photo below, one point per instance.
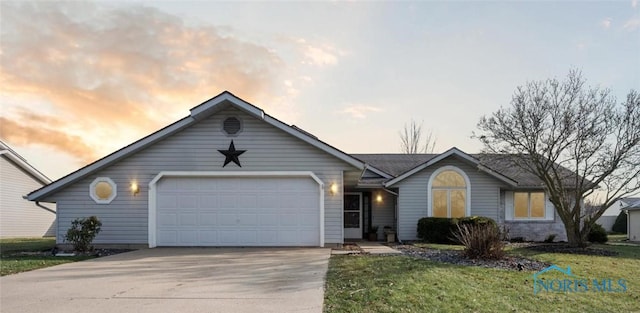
(167, 219)
(208, 219)
(188, 219)
(254, 211)
(248, 236)
(168, 237)
(247, 219)
(227, 237)
(188, 237)
(208, 236)
(269, 219)
(166, 201)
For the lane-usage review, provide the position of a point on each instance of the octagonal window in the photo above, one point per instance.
(103, 190)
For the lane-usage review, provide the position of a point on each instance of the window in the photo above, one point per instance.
(232, 126)
(528, 205)
(103, 190)
(449, 192)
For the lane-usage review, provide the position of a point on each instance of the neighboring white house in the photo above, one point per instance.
(609, 216)
(633, 220)
(18, 216)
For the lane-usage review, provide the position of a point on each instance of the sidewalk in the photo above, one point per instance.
(373, 247)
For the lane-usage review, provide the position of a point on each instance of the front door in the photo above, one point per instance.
(353, 215)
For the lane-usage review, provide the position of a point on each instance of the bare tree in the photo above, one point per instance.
(576, 140)
(411, 136)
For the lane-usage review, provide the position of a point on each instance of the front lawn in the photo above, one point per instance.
(26, 254)
(405, 284)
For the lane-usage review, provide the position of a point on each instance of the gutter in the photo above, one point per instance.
(40, 205)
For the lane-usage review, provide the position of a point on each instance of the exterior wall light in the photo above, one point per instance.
(135, 189)
(333, 189)
(379, 198)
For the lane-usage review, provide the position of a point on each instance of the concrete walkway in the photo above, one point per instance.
(175, 280)
(373, 247)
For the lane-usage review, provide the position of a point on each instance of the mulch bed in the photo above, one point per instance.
(564, 248)
(456, 257)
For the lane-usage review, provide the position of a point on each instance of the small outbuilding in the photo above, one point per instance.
(633, 221)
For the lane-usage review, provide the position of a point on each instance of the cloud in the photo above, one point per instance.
(606, 23)
(116, 74)
(318, 55)
(634, 3)
(42, 134)
(359, 111)
(632, 24)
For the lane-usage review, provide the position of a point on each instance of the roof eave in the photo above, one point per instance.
(444, 155)
(26, 166)
(109, 159)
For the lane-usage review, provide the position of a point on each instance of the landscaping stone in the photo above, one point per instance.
(456, 257)
(565, 248)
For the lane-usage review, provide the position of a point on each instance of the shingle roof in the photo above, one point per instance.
(397, 164)
(632, 202)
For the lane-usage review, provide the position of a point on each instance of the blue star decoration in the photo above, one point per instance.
(231, 155)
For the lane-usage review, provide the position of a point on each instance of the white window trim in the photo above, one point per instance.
(430, 189)
(94, 196)
(549, 209)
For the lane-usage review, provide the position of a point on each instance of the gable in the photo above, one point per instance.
(476, 177)
(13, 159)
(458, 155)
(192, 144)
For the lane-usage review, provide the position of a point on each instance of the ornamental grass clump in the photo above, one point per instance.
(481, 241)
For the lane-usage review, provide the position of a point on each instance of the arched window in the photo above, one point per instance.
(449, 193)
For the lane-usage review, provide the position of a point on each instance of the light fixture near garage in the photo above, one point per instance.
(135, 189)
(379, 198)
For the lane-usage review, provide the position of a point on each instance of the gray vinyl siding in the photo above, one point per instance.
(413, 194)
(125, 221)
(383, 212)
(19, 217)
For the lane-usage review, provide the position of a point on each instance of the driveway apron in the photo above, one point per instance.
(175, 280)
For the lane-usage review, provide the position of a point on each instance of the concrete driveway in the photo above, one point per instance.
(175, 280)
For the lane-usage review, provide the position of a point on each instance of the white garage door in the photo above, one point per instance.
(251, 211)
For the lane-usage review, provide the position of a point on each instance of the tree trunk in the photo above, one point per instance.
(575, 237)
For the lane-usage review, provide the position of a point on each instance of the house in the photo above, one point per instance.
(609, 216)
(228, 174)
(18, 216)
(633, 220)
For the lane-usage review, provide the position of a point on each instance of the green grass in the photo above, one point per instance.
(404, 284)
(15, 255)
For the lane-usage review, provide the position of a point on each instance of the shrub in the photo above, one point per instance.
(481, 241)
(435, 229)
(597, 234)
(517, 239)
(620, 225)
(82, 232)
(441, 229)
(550, 238)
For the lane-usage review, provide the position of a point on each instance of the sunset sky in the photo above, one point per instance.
(79, 80)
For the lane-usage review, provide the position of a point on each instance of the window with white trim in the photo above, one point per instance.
(448, 194)
(103, 190)
(529, 205)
